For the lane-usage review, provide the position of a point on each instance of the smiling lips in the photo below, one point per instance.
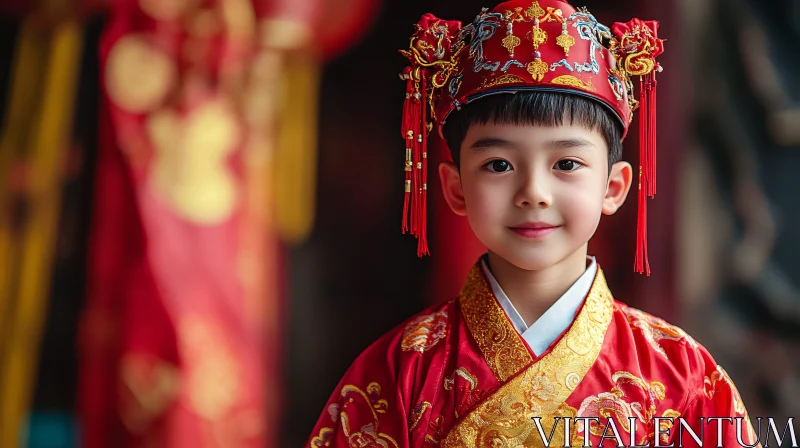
(534, 229)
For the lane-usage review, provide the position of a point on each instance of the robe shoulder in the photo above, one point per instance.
(664, 349)
(373, 400)
(416, 338)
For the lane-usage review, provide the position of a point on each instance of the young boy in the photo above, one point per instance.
(533, 98)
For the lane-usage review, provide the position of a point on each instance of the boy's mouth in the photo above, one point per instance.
(534, 229)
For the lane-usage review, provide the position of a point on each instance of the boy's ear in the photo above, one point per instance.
(451, 187)
(619, 183)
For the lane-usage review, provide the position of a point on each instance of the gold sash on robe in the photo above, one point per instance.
(540, 389)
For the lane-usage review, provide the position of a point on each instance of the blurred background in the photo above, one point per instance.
(200, 206)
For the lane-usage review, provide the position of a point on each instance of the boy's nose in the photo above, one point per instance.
(534, 192)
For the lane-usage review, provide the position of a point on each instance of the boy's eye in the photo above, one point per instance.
(498, 166)
(567, 165)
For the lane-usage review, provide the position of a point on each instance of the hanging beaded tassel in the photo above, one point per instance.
(641, 261)
(415, 134)
(647, 164)
(637, 46)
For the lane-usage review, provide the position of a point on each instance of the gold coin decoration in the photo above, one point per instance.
(569, 80)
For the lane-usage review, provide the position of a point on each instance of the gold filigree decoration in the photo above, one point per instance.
(534, 11)
(510, 42)
(508, 78)
(656, 330)
(564, 40)
(505, 418)
(498, 340)
(537, 36)
(424, 332)
(569, 80)
(537, 68)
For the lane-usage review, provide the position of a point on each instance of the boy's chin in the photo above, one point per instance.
(529, 261)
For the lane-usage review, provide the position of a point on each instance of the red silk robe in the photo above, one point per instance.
(459, 375)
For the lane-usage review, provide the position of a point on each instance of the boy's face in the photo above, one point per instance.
(534, 195)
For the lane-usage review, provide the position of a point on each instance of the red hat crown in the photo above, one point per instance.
(525, 45)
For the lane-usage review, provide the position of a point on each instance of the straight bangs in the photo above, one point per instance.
(535, 108)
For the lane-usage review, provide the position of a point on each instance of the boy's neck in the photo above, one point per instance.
(534, 292)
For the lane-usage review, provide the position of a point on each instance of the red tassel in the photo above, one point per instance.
(642, 263)
(647, 166)
(407, 134)
(414, 131)
(651, 180)
(422, 225)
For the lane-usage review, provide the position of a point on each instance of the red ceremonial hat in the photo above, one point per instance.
(525, 45)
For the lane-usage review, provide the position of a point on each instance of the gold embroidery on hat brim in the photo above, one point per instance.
(502, 80)
(569, 80)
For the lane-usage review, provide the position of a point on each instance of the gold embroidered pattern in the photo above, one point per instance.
(424, 332)
(720, 378)
(323, 438)
(631, 396)
(463, 373)
(469, 394)
(435, 429)
(505, 418)
(501, 80)
(366, 408)
(666, 425)
(416, 414)
(569, 80)
(655, 329)
(498, 340)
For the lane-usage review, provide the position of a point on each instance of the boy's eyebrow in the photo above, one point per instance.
(497, 142)
(493, 142)
(569, 143)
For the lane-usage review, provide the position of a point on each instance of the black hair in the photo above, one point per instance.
(540, 108)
